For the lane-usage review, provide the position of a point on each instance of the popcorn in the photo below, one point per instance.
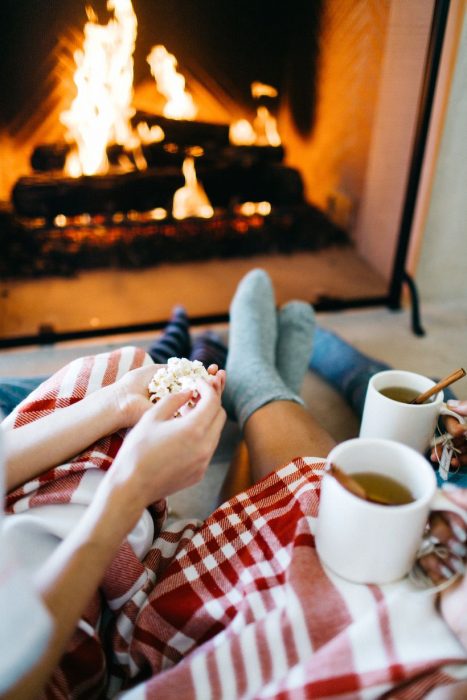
(178, 375)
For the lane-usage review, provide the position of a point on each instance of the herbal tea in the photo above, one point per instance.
(403, 394)
(383, 488)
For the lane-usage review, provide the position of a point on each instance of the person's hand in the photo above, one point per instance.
(131, 396)
(162, 453)
(447, 532)
(458, 431)
(453, 600)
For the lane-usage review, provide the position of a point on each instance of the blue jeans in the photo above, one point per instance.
(14, 389)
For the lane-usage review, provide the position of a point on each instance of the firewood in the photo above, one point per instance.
(48, 195)
(51, 157)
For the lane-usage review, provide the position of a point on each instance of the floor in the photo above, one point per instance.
(111, 298)
(379, 332)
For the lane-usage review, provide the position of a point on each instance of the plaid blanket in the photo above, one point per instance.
(238, 606)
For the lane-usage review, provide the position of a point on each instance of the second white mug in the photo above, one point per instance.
(411, 424)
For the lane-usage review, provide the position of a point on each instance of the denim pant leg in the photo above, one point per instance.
(14, 389)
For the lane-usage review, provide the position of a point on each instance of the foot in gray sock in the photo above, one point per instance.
(252, 378)
(295, 328)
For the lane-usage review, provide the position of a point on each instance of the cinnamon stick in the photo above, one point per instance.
(442, 384)
(354, 487)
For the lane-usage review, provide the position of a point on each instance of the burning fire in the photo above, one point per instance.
(101, 111)
(264, 131)
(171, 84)
(146, 134)
(266, 128)
(191, 199)
(241, 133)
(262, 90)
(252, 208)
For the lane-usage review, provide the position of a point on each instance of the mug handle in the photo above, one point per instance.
(440, 502)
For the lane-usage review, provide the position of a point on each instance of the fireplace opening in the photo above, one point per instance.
(176, 145)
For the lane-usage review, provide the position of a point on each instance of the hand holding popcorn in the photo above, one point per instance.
(179, 374)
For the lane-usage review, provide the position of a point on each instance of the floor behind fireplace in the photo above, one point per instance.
(110, 298)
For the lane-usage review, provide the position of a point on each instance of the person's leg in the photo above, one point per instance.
(175, 341)
(280, 431)
(347, 369)
(252, 377)
(13, 390)
(276, 426)
(295, 337)
(209, 349)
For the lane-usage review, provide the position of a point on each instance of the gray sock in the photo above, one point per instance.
(295, 326)
(252, 378)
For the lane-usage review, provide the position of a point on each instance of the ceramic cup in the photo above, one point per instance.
(366, 542)
(412, 424)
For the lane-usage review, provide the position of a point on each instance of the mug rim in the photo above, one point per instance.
(421, 501)
(437, 399)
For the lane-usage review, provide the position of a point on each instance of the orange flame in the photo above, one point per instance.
(191, 199)
(171, 84)
(101, 111)
(147, 134)
(264, 131)
(241, 133)
(262, 90)
(252, 208)
(266, 128)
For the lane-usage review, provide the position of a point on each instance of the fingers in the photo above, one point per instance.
(169, 405)
(449, 528)
(440, 527)
(217, 374)
(445, 543)
(438, 568)
(455, 428)
(460, 407)
(208, 402)
(217, 381)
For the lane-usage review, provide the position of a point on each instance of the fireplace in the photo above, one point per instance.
(86, 253)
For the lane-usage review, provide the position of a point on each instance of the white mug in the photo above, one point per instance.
(412, 424)
(366, 542)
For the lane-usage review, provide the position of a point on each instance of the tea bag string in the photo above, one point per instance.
(444, 459)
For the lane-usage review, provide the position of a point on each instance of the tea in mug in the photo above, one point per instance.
(383, 488)
(403, 394)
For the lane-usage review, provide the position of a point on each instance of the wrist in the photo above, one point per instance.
(109, 408)
(110, 517)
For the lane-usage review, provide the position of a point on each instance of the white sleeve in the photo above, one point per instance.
(25, 623)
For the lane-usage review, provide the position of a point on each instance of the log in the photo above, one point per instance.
(51, 157)
(44, 195)
(35, 251)
(187, 133)
(274, 183)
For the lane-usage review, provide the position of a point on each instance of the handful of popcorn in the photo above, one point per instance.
(179, 374)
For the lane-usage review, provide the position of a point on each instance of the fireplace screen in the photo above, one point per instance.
(142, 141)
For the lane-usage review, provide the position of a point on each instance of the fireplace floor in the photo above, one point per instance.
(109, 298)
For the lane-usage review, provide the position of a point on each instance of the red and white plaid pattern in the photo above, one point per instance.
(238, 606)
